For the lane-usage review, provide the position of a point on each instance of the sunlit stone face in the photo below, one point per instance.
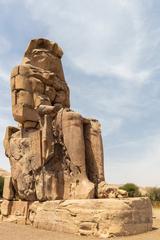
(44, 59)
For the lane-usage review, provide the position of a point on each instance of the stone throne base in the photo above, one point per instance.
(97, 217)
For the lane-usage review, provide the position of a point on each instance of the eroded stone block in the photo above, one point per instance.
(8, 190)
(95, 217)
(15, 71)
(22, 83)
(23, 113)
(6, 207)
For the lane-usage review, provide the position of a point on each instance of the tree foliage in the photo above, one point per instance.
(132, 189)
(154, 194)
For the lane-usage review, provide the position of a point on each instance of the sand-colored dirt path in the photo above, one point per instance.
(9, 231)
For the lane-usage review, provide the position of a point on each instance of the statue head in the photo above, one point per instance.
(44, 54)
(47, 55)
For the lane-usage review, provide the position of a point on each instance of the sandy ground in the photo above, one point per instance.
(10, 231)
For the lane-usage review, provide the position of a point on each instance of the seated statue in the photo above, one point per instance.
(54, 153)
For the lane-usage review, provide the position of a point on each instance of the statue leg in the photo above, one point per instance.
(70, 125)
(95, 161)
(94, 151)
(72, 128)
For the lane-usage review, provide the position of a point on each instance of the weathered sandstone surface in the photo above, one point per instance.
(94, 217)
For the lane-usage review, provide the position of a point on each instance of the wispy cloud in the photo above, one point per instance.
(109, 38)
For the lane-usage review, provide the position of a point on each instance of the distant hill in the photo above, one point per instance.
(4, 173)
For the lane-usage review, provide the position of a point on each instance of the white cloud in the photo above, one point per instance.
(102, 38)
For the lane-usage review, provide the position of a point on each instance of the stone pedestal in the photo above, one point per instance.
(94, 217)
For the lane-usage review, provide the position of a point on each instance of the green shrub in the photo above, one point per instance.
(132, 189)
(154, 194)
(1, 186)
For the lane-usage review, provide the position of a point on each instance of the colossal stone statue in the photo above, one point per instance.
(54, 153)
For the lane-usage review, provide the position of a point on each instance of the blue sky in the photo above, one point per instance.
(112, 65)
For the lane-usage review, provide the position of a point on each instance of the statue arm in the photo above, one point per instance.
(45, 109)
